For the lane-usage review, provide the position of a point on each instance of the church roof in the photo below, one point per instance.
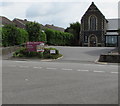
(93, 7)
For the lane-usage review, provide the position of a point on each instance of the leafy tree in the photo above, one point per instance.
(33, 30)
(12, 35)
(74, 29)
(22, 36)
(9, 35)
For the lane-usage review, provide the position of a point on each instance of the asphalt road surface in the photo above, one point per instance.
(57, 82)
(82, 54)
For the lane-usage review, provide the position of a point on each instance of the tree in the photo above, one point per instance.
(12, 35)
(22, 36)
(75, 30)
(9, 35)
(33, 30)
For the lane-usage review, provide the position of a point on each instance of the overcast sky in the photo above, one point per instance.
(57, 12)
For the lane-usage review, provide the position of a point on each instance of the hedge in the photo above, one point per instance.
(58, 38)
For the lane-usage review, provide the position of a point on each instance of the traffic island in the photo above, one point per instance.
(48, 53)
(110, 58)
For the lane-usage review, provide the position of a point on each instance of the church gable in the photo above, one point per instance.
(93, 27)
(92, 10)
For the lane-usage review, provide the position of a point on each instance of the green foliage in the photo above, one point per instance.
(9, 35)
(12, 35)
(33, 30)
(23, 36)
(75, 30)
(43, 36)
(45, 55)
(58, 38)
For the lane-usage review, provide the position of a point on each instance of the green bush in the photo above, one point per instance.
(12, 35)
(45, 55)
(58, 38)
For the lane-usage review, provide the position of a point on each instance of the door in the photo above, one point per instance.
(92, 41)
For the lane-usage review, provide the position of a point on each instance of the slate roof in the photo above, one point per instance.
(5, 21)
(54, 27)
(20, 23)
(92, 7)
(113, 24)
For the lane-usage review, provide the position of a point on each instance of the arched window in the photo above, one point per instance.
(93, 22)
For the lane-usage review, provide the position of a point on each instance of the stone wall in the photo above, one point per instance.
(8, 50)
(110, 58)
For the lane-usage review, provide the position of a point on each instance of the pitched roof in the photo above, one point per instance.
(54, 27)
(93, 7)
(113, 24)
(20, 21)
(5, 21)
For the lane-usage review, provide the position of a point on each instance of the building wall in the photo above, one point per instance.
(86, 32)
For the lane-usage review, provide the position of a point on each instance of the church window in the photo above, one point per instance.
(92, 23)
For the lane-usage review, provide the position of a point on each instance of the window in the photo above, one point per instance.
(86, 38)
(92, 23)
(111, 40)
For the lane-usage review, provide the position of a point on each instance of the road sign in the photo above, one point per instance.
(32, 46)
(52, 51)
(40, 47)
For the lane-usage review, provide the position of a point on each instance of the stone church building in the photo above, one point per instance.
(96, 30)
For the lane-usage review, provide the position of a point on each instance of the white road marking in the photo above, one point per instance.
(23, 66)
(66, 69)
(114, 72)
(20, 61)
(99, 71)
(116, 66)
(37, 67)
(51, 68)
(83, 70)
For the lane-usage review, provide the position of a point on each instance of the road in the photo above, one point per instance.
(81, 54)
(57, 82)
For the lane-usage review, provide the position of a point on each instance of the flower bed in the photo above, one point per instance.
(23, 52)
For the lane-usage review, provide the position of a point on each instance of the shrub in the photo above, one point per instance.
(58, 38)
(12, 35)
(46, 54)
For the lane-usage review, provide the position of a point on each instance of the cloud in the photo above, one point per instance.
(57, 12)
(43, 9)
(6, 3)
(61, 1)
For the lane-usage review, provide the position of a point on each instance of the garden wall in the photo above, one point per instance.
(110, 58)
(8, 50)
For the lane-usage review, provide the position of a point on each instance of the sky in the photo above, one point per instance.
(57, 12)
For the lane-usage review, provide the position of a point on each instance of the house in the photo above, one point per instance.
(20, 23)
(5, 21)
(54, 27)
(96, 30)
